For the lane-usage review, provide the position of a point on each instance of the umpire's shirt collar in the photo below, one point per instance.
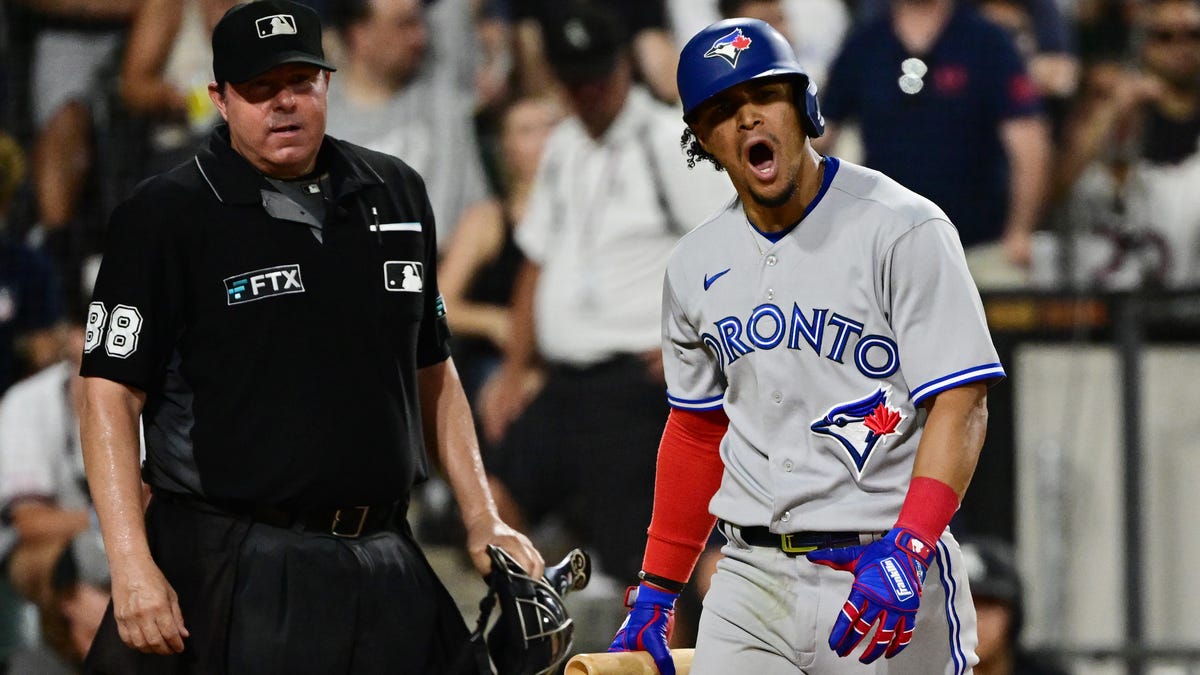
(234, 180)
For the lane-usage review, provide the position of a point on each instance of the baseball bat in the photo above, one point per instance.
(626, 663)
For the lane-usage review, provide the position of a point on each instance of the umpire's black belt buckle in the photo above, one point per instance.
(342, 518)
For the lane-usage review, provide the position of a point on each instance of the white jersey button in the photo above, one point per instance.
(787, 465)
(777, 397)
(771, 260)
(787, 515)
(770, 293)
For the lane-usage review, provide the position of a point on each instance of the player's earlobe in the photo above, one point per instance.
(699, 139)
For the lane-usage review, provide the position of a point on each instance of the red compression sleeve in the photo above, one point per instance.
(688, 475)
(928, 508)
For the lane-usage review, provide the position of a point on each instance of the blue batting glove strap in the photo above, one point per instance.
(888, 576)
(651, 613)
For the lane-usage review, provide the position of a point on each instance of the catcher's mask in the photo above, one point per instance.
(531, 634)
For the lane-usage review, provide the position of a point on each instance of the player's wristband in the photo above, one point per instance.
(928, 508)
(662, 582)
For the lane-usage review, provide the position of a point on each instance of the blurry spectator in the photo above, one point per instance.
(654, 54)
(1050, 31)
(43, 492)
(30, 301)
(611, 198)
(79, 595)
(482, 259)
(391, 97)
(476, 279)
(946, 107)
(165, 76)
(1170, 51)
(1046, 49)
(472, 41)
(1132, 160)
(814, 27)
(495, 64)
(997, 591)
(1104, 28)
(74, 41)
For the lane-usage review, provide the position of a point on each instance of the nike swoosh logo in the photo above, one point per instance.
(708, 281)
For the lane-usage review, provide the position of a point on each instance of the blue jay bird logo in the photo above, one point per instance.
(729, 47)
(858, 425)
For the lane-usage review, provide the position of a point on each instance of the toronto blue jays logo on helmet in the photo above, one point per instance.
(858, 425)
(729, 47)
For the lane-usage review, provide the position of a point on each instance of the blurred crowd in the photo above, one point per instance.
(1060, 136)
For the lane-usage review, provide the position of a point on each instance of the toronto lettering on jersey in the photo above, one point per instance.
(768, 327)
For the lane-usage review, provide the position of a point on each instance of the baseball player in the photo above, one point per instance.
(827, 361)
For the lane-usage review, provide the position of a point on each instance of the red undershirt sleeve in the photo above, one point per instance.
(688, 475)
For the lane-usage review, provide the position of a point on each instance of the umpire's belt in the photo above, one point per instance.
(795, 543)
(345, 521)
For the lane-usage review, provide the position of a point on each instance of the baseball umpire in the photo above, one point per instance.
(827, 361)
(270, 310)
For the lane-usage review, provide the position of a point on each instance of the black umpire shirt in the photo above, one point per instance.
(279, 366)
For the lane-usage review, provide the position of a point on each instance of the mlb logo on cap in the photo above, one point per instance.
(241, 51)
(277, 24)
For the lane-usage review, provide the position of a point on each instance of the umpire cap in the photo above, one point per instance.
(254, 37)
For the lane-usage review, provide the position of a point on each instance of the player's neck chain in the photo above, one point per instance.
(757, 238)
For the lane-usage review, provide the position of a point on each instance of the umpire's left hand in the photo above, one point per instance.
(146, 607)
(491, 530)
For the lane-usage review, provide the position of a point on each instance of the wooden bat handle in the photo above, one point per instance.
(626, 663)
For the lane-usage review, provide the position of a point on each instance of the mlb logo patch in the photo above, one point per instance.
(276, 24)
(403, 276)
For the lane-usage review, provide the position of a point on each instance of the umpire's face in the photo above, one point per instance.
(277, 120)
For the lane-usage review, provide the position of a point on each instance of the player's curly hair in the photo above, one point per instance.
(695, 153)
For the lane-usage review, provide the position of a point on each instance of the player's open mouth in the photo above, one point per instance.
(761, 158)
(285, 129)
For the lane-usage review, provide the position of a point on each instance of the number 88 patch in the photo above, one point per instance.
(118, 332)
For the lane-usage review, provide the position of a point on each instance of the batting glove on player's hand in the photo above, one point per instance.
(888, 575)
(651, 615)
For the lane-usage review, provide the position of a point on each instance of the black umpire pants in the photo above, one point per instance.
(262, 599)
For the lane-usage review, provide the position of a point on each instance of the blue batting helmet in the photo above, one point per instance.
(734, 51)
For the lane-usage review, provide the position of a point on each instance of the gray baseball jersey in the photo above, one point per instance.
(821, 347)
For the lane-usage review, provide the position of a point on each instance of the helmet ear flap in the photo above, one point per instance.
(810, 119)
